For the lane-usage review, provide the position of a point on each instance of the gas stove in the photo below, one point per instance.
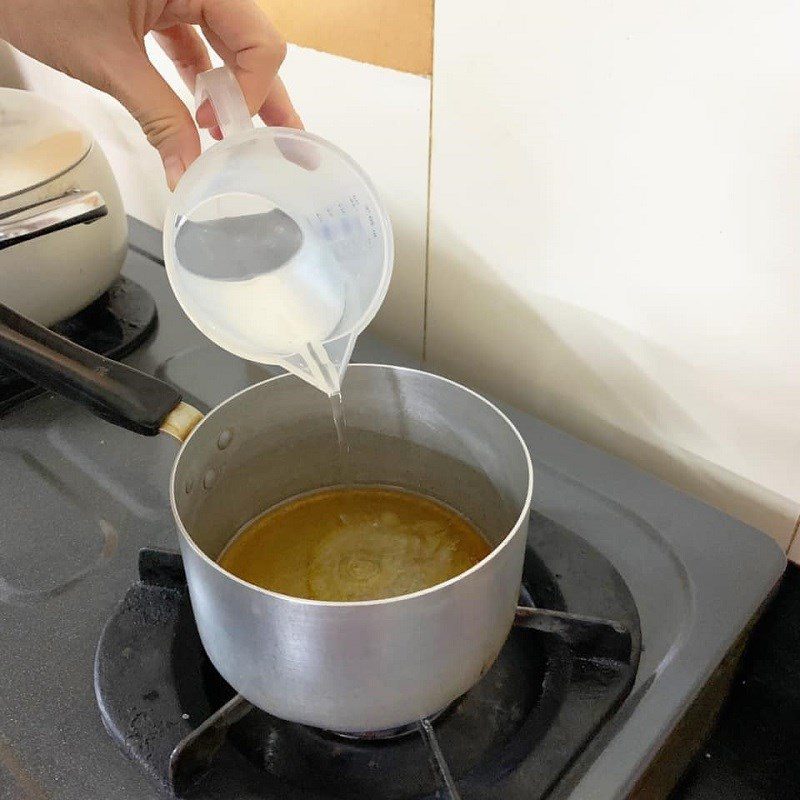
(556, 682)
(103, 673)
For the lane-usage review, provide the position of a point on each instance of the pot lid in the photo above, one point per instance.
(38, 141)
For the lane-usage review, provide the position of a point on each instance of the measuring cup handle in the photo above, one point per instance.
(221, 88)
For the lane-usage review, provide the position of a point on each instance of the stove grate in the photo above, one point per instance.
(595, 638)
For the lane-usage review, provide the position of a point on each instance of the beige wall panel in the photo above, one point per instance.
(614, 238)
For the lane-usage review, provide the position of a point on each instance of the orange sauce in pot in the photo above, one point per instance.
(354, 543)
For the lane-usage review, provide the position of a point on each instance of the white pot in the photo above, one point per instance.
(53, 179)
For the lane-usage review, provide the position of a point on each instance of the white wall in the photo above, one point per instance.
(615, 230)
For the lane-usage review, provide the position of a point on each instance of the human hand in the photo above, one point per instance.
(101, 42)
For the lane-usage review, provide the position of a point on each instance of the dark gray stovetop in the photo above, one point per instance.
(97, 494)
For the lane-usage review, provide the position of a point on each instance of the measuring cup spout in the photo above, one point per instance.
(322, 364)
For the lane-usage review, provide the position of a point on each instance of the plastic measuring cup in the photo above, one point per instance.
(276, 243)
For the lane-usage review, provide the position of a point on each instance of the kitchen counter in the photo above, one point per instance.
(754, 751)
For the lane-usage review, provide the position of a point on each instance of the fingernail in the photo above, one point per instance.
(216, 133)
(173, 167)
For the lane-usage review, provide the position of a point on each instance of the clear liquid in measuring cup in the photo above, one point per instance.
(260, 284)
(276, 244)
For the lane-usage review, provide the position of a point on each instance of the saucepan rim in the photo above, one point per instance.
(481, 565)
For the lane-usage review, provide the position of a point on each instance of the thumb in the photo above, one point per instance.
(164, 118)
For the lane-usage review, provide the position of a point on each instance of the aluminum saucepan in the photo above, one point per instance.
(349, 667)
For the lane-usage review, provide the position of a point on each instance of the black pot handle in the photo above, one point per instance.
(111, 390)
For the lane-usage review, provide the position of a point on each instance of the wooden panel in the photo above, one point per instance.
(390, 33)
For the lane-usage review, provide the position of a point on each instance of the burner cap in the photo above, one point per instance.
(391, 733)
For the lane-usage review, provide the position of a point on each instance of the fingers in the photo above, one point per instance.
(278, 109)
(165, 120)
(242, 34)
(186, 49)
(247, 42)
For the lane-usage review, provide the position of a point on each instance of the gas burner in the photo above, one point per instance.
(409, 729)
(512, 736)
(113, 325)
